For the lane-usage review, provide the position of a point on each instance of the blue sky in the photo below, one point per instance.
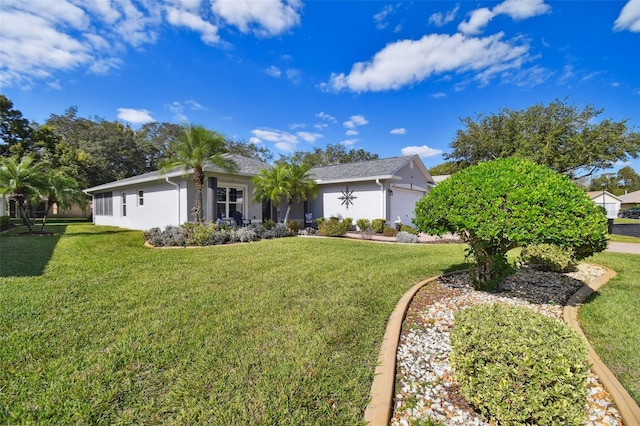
(392, 78)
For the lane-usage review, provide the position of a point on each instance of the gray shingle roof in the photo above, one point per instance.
(358, 171)
(246, 167)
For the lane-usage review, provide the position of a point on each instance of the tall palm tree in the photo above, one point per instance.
(289, 180)
(24, 181)
(197, 147)
(62, 190)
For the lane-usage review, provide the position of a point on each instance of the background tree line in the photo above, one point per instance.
(567, 139)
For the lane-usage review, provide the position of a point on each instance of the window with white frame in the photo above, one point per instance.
(230, 198)
(140, 197)
(124, 204)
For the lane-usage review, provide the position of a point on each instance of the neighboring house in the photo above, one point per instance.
(631, 199)
(439, 178)
(607, 200)
(385, 188)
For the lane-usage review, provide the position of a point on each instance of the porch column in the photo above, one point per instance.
(212, 199)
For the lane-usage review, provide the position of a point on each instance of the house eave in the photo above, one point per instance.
(362, 179)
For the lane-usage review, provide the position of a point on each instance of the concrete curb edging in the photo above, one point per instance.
(627, 407)
(378, 412)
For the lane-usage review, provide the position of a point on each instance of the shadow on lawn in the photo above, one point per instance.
(27, 255)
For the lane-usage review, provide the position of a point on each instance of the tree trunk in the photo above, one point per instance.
(22, 210)
(198, 180)
(286, 216)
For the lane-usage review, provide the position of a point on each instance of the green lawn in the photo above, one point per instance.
(96, 328)
(611, 319)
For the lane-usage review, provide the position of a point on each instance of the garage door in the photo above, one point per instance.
(403, 204)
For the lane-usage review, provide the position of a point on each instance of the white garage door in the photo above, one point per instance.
(403, 204)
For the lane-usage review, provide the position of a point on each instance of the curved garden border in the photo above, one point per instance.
(378, 412)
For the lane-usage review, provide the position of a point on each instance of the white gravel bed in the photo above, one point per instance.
(424, 379)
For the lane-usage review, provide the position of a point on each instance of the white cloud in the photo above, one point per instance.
(521, 9)
(284, 141)
(439, 95)
(629, 18)
(178, 112)
(380, 17)
(294, 76)
(399, 131)
(55, 85)
(264, 18)
(326, 117)
(476, 23)
(193, 21)
(309, 137)
(348, 142)
(297, 126)
(516, 9)
(273, 71)
(355, 121)
(408, 62)
(320, 126)
(352, 133)
(423, 151)
(195, 106)
(255, 140)
(136, 116)
(440, 20)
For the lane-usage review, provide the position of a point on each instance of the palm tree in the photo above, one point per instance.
(197, 147)
(24, 181)
(62, 190)
(289, 180)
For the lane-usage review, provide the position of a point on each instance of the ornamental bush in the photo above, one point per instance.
(378, 225)
(363, 224)
(518, 367)
(333, 227)
(547, 257)
(499, 205)
(406, 237)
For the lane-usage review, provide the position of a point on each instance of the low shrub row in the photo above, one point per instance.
(209, 234)
(518, 367)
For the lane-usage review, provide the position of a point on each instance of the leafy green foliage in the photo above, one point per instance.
(560, 136)
(409, 229)
(518, 367)
(548, 257)
(625, 180)
(290, 181)
(294, 226)
(363, 224)
(388, 231)
(210, 234)
(500, 205)
(378, 225)
(330, 155)
(334, 227)
(5, 221)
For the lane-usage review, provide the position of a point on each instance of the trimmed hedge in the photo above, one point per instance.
(549, 257)
(209, 234)
(518, 367)
(334, 227)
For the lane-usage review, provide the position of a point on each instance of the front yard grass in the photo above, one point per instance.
(611, 319)
(99, 329)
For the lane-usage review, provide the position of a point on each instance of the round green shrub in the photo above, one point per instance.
(334, 227)
(378, 225)
(518, 367)
(363, 224)
(549, 257)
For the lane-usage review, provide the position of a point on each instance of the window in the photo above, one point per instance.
(124, 204)
(230, 199)
(140, 197)
(103, 204)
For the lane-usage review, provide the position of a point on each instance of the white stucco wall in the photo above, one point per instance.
(159, 207)
(3, 206)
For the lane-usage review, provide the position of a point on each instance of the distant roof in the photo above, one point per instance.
(246, 167)
(384, 168)
(631, 197)
(595, 194)
(440, 178)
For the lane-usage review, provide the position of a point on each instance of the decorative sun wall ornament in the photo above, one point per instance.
(347, 198)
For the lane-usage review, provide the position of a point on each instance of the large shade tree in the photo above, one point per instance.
(24, 181)
(503, 204)
(197, 147)
(563, 137)
(290, 181)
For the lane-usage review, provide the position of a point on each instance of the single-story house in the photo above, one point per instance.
(607, 200)
(631, 199)
(384, 188)
(3, 206)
